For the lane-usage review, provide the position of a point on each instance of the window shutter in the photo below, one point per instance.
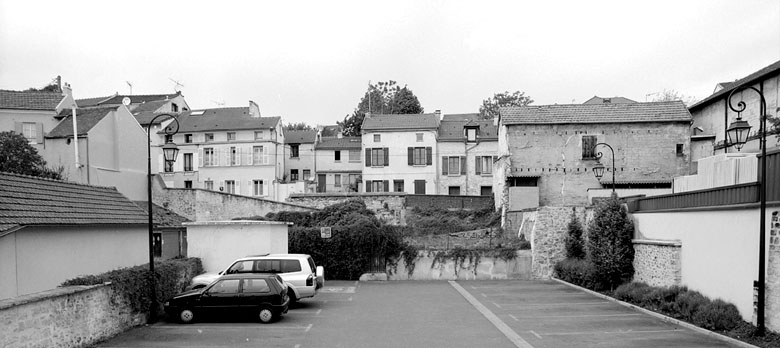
(477, 165)
(387, 157)
(444, 165)
(40, 133)
(462, 165)
(368, 158)
(428, 155)
(410, 155)
(387, 185)
(368, 186)
(200, 158)
(238, 155)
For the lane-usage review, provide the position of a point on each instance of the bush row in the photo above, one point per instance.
(681, 303)
(132, 284)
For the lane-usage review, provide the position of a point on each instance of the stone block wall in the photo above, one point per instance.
(657, 263)
(428, 268)
(389, 207)
(772, 293)
(548, 235)
(76, 316)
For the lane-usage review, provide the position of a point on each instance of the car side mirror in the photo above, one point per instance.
(220, 272)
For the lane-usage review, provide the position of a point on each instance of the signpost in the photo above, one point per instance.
(325, 232)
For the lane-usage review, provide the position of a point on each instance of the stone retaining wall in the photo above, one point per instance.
(548, 235)
(75, 316)
(657, 263)
(389, 207)
(427, 267)
(772, 292)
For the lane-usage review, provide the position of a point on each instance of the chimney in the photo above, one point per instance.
(438, 114)
(254, 109)
(59, 83)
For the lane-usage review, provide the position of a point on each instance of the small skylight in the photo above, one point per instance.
(196, 113)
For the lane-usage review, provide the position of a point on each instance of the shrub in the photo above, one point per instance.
(634, 292)
(574, 245)
(687, 304)
(609, 244)
(717, 315)
(575, 271)
(132, 284)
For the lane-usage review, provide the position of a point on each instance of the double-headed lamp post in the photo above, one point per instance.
(738, 133)
(170, 151)
(598, 168)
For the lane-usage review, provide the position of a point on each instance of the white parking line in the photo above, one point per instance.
(226, 327)
(297, 346)
(497, 305)
(483, 294)
(577, 316)
(513, 317)
(549, 304)
(622, 332)
(309, 327)
(496, 321)
(535, 334)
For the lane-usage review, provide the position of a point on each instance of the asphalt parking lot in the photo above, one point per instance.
(433, 314)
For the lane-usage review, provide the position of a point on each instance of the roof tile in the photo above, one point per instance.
(674, 111)
(400, 122)
(85, 120)
(334, 143)
(29, 100)
(236, 118)
(299, 136)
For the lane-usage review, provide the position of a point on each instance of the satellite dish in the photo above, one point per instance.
(126, 101)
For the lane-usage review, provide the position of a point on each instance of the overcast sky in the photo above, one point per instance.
(312, 61)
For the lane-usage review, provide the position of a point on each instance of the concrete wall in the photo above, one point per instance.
(657, 263)
(204, 205)
(75, 316)
(719, 250)
(428, 268)
(219, 243)
(399, 168)
(44, 257)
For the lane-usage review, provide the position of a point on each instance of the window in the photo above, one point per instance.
(259, 135)
(30, 131)
(188, 184)
(377, 185)
(188, 138)
(257, 155)
(168, 138)
(168, 166)
(471, 134)
(337, 156)
(419, 156)
(483, 165)
(187, 162)
(293, 174)
(293, 150)
(231, 136)
(453, 165)
(230, 186)
(354, 155)
(419, 187)
(419, 137)
(589, 147)
(354, 179)
(209, 159)
(679, 149)
(306, 174)
(234, 156)
(208, 185)
(486, 190)
(209, 137)
(256, 286)
(377, 138)
(257, 187)
(454, 190)
(337, 179)
(377, 157)
(227, 286)
(398, 186)
(174, 107)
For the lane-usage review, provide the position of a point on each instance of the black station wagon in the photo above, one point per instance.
(260, 295)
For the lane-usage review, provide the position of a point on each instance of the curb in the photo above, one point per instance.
(667, 319)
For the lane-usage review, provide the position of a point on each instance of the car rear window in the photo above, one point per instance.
(277, 266)
(256, 285)
(311, 264)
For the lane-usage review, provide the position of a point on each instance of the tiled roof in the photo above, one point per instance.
(162, 217)
(149, 106)
(85, 120)
(29, 100)
(26, 200)
(145, 117)
(451, 127)
(299, 136)
(673, 111)
(87, 102)
(223, 119)
(400, 122)
(611, 100)
(334, 143)
(773, 68)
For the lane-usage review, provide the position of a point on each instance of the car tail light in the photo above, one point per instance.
(310, 280)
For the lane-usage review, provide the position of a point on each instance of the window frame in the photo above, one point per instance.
(257, 183)
(293, 174)
(295, 150)
(231, 136)
(188, 162)
(589, 152)
(208, 137)
(230, 186)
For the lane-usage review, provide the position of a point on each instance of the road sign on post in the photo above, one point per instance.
(325, 232)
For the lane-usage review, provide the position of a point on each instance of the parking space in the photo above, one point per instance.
(550, 314)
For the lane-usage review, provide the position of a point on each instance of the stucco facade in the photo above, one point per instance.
(338, 164)
(219, 243)
(398, 169)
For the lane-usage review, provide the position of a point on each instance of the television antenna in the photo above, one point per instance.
(178, 85)
(131, 86)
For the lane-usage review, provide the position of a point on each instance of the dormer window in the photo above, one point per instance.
(471, 133)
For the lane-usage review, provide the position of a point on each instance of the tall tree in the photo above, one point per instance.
(672, 95)
(489, 107)
(18, 156)
(298, 126)
(385, 97)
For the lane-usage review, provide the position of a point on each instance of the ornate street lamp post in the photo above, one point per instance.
(598, 169)
(738, 135)
(170, 151)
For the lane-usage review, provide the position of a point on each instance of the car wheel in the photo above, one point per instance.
(291, 295)
(265, 315)
(186, 316)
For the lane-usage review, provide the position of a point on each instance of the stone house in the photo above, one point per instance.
(467, 148)
(712, 115)
(299, 155)
(550, 148)
(52, 230)
(337, 164)
(399, 152)
(232, 150)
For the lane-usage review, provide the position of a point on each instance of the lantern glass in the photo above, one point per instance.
(738, 133)
(598, 170)
(170, 151)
